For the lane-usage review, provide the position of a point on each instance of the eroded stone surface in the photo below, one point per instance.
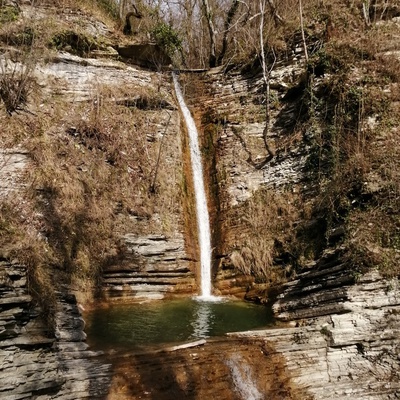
(352, 351)
(224, 369)
(153, 266)
(234, 102)
(36, 365)
(12, 165)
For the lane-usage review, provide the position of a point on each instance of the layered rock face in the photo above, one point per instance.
(38, 366)
(153, 267)
(233, 105)
(352, 352)
(153, 263)
(59, 365)
(345, 344)
(341, 340)
(234, 102)
(346, 339)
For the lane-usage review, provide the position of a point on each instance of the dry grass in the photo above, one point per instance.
(19, 240)
(91, 169)
(93, 164)
(16, 84)
(266, 223)
(351, 108)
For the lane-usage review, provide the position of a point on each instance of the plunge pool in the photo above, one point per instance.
(149, 324)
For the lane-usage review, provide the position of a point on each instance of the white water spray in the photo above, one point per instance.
(243, 378)
(203, 222)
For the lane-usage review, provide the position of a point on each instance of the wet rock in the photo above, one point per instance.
(345, 339)
(223, 369)
(346, 355)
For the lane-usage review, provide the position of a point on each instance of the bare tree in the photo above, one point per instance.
(303, 36)
(266, 77)
(212, 32)
(230, 16)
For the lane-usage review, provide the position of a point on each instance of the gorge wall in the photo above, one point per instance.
(270, 209)
(44, 353)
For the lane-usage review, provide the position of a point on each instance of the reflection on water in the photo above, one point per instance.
(203, 321)
(161, 322)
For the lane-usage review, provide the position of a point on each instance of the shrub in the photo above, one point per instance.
(19, 37)
(267, 220)
(8, 14)
(73, 42)
(167, 38)
(21, 242)
(16, 84)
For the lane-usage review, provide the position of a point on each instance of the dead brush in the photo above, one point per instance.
(20, 240)
(268, 219)
(16, 85)
(93, 170)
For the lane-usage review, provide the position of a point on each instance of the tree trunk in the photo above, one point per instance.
(231, 14)
(303, 36)
(211, 29)
(266, 78)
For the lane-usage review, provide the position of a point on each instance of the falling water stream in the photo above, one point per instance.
(203, 221)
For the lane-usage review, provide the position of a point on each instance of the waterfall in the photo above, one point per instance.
(203, 222)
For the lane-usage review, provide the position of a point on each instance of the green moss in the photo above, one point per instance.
(8, 14)
(73, 42)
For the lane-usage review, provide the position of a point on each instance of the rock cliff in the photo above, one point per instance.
(44, 352)
(341, 305)
(35, 362)
(353, 350)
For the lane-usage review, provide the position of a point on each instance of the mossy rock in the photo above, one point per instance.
(74, 42)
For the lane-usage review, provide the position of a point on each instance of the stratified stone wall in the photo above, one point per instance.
(153, 267)
(36, 365)
(352, 351)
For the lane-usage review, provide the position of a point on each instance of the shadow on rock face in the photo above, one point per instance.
(147, 55)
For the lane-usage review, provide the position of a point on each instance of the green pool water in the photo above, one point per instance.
(169, 322)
